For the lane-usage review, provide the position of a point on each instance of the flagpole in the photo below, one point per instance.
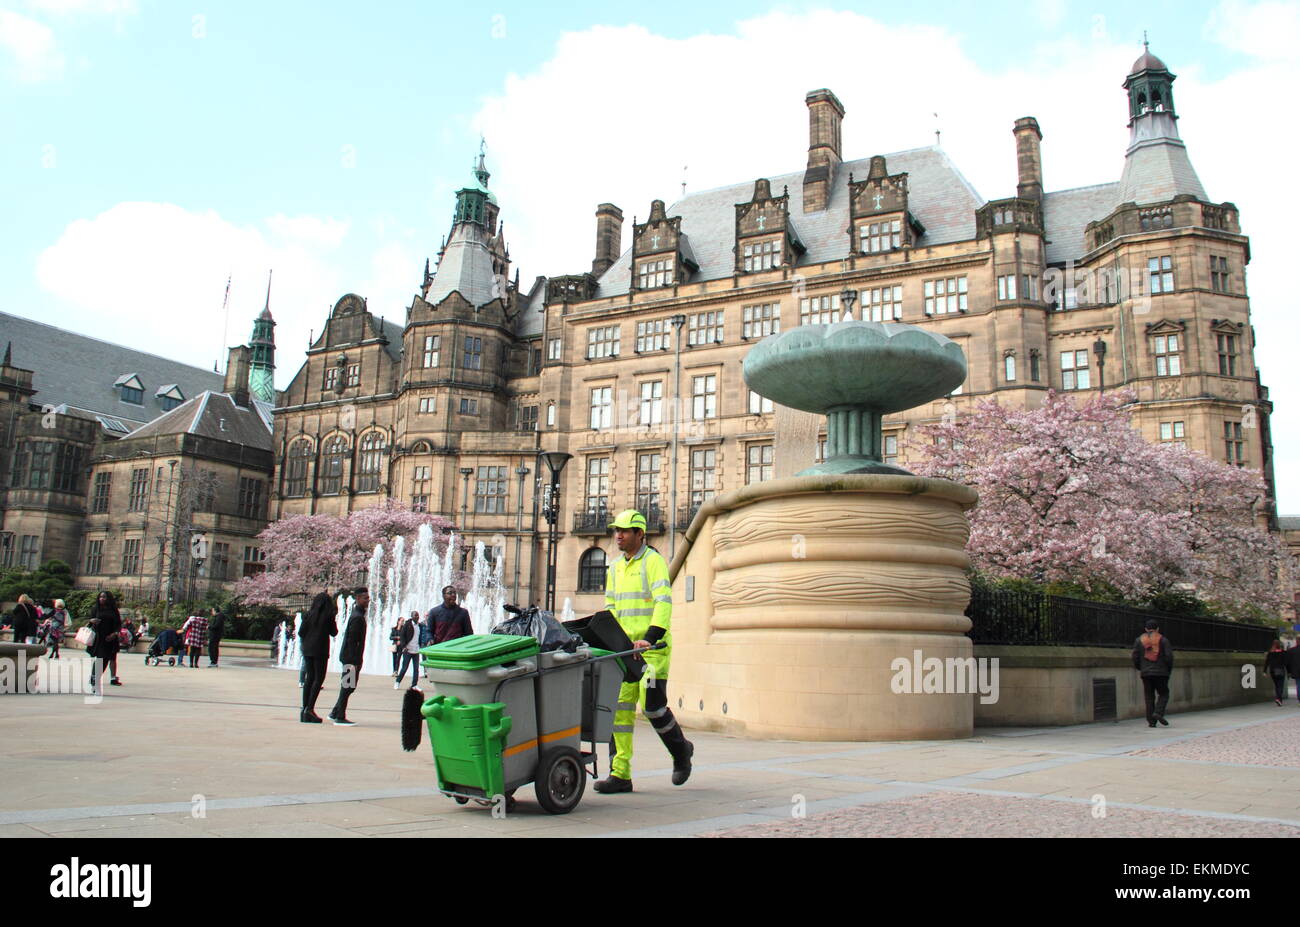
(225, 323)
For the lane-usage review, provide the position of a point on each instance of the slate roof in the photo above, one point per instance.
(79, 371)
(530, 320)
(940, 198)
(1289, 522)
(215, 415)
(1157, 168)
(1067, 212)
(466, 266)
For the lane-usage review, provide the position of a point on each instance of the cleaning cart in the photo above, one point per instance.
(504, 715)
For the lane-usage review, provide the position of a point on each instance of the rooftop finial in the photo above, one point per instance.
(1145, 44)
(9, 348)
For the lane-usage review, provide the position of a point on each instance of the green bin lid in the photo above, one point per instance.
(478, 651)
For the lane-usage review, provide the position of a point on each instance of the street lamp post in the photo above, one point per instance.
(465, 473)
(1099, 349)
(555, 461)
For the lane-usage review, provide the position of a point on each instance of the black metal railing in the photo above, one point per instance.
(1009, 617)
(686, 515)
(592, 521)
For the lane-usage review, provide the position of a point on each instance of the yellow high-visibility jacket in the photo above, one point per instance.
(639, 594)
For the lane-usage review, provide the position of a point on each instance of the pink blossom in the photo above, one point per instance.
(1072, 493)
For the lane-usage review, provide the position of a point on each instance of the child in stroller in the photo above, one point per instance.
(166, 644)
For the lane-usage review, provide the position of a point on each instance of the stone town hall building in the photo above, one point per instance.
(634, 367)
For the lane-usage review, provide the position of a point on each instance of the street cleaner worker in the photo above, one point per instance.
(639, 595)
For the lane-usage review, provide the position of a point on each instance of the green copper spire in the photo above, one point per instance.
(261, 370)
(472, 202)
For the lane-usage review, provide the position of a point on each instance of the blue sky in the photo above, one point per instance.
(149, 150)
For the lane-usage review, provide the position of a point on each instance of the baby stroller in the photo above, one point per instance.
(166, 645)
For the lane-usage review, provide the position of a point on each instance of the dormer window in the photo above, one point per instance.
(874, 237)
(169, 396)
(654, 273)
(130, 389)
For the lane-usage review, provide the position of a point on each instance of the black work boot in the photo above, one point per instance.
(682, 764)
(613, 784)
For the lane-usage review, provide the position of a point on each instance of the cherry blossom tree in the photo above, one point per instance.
(1071, 493)
(306, 554)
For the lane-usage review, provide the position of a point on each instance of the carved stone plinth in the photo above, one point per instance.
(794, 599)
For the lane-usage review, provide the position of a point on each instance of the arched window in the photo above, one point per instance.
(1009, 362)
(550, 415)
(591, 571)
(331, 468)
(371, 465)
(295, 479)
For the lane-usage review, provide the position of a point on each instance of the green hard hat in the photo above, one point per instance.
(630, 518)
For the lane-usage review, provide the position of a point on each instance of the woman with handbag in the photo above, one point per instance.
(106, 621)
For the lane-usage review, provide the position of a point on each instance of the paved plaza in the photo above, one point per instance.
(221, 753)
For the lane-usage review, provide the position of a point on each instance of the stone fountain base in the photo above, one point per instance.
(794, 601)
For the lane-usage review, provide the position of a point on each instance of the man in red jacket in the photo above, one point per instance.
(1153, 657)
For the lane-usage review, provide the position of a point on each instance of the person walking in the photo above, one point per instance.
(195, 632)
(408, 645)
(1153, 657)
(216, 628)
(57, 622)
(1293, 668)
(351, 653)
(639, 595)
(106, 621)
(395, 645)
(314, 633)
(1275, 666)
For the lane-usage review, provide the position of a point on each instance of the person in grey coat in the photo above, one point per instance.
(1153, 657)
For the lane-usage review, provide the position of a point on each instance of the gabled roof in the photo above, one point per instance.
(83, 372)
(940, 198)
(214, 415)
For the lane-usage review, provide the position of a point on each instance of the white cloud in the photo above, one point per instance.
(731, 108)
(309, 230)
(1269, 30)
(36, 55)
(152, 276)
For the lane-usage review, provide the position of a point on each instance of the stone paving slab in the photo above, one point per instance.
(130, 765)
(965, 814)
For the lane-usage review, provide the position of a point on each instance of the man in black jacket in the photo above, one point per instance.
(1153, 657)
(216, 628)
(351, 652)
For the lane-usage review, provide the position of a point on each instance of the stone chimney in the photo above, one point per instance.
(609, 237)
(1029, 159)
(237, 368)
(825, 113)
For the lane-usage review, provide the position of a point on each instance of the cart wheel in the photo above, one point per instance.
(171, 661)
(461, 799)
(561, 779)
